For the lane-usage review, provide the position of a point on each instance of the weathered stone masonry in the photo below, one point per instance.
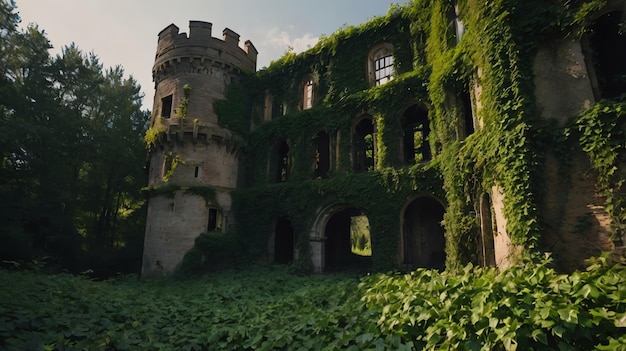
(362, 114)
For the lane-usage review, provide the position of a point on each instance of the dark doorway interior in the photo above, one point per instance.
(423, 242)
(608, 44)
(339, 254)
(283, 241)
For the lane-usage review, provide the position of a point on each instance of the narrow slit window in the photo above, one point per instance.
(196, 172)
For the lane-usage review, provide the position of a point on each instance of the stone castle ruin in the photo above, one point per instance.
(440, 134)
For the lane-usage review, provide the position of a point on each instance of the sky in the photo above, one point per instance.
(124, 32)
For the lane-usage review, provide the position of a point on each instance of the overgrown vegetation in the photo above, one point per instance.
(602, 135)
(71, 155)
(505, 153)
(521, 308)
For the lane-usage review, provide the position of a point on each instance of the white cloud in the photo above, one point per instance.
(279, 42)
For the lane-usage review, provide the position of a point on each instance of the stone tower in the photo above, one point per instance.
(193, 160)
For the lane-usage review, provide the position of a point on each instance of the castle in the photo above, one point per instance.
(440, 134)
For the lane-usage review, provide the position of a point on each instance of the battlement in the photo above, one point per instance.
(172, 44)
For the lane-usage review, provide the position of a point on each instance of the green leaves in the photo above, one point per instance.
(521, 308)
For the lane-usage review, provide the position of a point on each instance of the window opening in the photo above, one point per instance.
(468, 115)
(214, 222)
(364, 146)
(415, 139)
(308, 94)
(322, 155)
(278, 108)
(608, 44)
(280, 162)
(166, 106)
(196, 172)
(168, 160)
(488, 252)
(383, 70)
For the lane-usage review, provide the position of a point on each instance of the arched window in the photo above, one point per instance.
(381, 64)
(364, 145)
(307, 96)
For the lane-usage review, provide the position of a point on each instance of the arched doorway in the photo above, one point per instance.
(348, 244)
(423, 242)
(284, 241)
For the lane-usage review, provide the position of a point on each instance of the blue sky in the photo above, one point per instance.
(124, 32)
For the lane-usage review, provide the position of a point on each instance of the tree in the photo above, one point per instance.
(71, 145)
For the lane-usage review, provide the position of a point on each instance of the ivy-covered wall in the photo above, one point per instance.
(506, 148)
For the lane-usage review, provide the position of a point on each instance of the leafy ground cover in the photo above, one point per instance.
(522, 308)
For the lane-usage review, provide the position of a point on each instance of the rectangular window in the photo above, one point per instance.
(383, 70)
(196, 173)
(308, 94)
(166, 106)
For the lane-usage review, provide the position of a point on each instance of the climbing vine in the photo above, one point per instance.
(434, 64)
(602, 135)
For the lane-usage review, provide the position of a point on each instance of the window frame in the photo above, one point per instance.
(381, 64)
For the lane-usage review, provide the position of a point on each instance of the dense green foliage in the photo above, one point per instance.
(506, 151)
(71, 155)
(522, 308)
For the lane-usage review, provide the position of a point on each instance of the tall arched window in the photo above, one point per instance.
(307, 95)
(381, 64)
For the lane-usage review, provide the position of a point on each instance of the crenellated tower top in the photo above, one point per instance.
(174, 46)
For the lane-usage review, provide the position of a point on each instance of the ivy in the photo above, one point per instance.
(207, 193)
(602, 130)
(529, 307)
(507, 151)
(168, 190)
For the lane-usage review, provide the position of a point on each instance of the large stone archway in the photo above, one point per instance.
(331, 239)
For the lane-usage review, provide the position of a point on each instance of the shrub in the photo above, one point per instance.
(213, 251)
